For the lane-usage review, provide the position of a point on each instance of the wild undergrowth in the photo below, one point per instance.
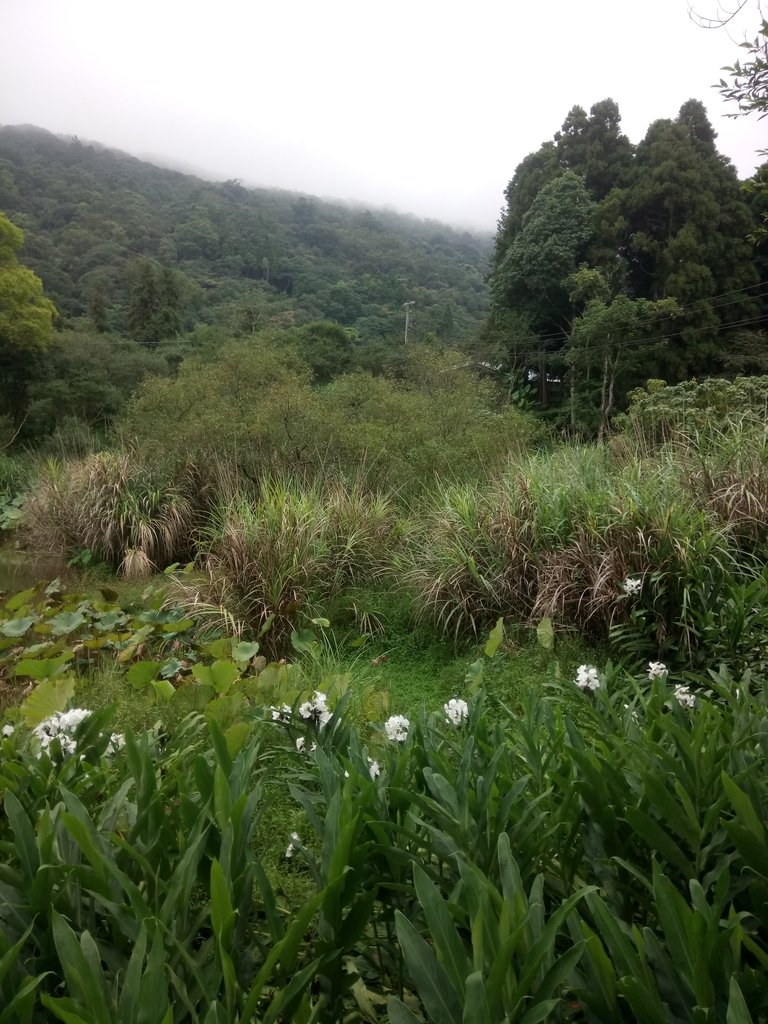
(595, 852)
(556, 535)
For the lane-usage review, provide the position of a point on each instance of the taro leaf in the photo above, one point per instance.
(43, 668)
(323, 623)
(54, 588)
(178, 625)
(244, 651)
(46, 699)
(268, 622)
(109, 594)
(495, 639)
(220, 675)
(22, 598)
(107, 621)
(303, 640)
(17, 627)
(171, 668)
(237, 736)
(218, 648)
(34, 649)
(223, 708)
(474, 675)
(66, 622)
(545, 634)
(164, 689)
(359, 642)
(142, 673)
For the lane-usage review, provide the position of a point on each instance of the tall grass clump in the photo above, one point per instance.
(561, 532)
(272, 559)
(468, 560)
(134, 516)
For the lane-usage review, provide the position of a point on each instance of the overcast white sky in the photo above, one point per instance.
(425, 105)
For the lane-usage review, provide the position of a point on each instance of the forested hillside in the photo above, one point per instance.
(128, 247)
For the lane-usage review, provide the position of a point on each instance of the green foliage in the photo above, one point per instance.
(636, 891)
(659, 412)
(665, 221)
(253, 404)
(86, 379)
(26, 320)
(243, 259)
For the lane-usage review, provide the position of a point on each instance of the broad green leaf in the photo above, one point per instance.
(218, 648)
(244, 651)
(399, 1013)
(476, 1009)
(449, 947)
(303, 640)
(474, 675)
(20, 599)
(541, 1011)
(323, 623)
(66, 622)
(433, 985)
(164, 689)
(64, 1010)
(738, 1011)
(268, 623)
(178, 625)
(495, 639)
(107, 621)
(220, 675)
(45, 668)
(17, 627)
(48, 697)
(237, 736)
(141, 673)
(745, 810)
(545, 634)
(25, 844)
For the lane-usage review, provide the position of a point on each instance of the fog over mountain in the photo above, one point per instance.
(426, 107)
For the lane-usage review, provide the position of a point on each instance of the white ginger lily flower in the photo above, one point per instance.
(293, 845)
(587, 678)
(632, 586)
(684, 697)
(456, 711)
(396, 728)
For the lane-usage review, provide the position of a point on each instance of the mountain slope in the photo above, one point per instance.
(251, 256)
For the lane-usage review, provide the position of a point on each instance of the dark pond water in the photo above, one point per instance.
(21, 569)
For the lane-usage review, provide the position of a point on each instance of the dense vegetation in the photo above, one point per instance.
(389, 704)
(112, 236)
(616, 263)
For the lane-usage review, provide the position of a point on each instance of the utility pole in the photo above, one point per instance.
(407, 307)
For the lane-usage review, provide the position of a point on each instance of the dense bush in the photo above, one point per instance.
(253, 403)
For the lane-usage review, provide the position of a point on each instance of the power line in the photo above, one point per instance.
(642, 341)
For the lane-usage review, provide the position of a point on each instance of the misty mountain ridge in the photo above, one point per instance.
(91, 212)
